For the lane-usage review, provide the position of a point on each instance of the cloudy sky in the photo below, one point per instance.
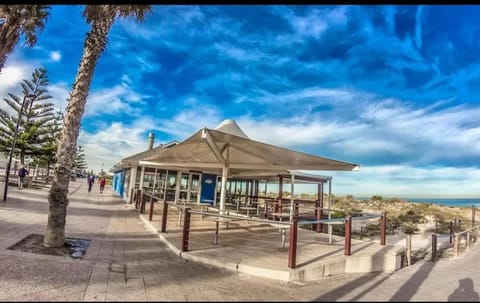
(392, 88)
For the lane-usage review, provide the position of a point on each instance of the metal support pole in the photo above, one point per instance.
(186, 229)
(319, 204)
(434, 247)
(223, 189)
(330, 227)
(292, 246)
(150, 216)
(292, 189)
(383, 229)
(164, 216)
(348, 235)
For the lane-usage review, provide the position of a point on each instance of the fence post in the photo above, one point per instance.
(451, 231)
(348, 235)
(383, 228)
(164, 216)
(473, 215)
(409, 249)
(468, 239)
(457, 245)
(318, 226)
(150, 216)
(186, 229)
(434, 247)
(142, 203)
(292, 246)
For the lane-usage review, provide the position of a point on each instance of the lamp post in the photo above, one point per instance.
(12, 149)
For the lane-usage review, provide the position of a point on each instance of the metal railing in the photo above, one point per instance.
(140, 199)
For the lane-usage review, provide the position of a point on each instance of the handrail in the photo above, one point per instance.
(238, 217)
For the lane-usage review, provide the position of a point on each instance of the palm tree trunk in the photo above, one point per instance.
(94, 45)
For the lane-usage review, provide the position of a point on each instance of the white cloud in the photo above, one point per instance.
(118, 99)
(111, 144)
(185, 123)
(60, 92)
(11, 76)
(55, 56)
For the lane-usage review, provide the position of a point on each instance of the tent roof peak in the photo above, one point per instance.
(231, 127)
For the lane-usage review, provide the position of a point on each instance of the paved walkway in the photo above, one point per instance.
(126, 262)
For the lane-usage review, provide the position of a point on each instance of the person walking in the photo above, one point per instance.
(102, 184)
(22, 173)
(90, 180)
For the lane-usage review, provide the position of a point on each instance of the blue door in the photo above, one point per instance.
(208, 188)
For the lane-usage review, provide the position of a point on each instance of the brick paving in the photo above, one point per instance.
(127, 262)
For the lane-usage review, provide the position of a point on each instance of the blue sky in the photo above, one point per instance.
(392, 88)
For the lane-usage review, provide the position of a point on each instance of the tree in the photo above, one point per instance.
(16, 20)
(79, 164)
(50, 143)
(101, 19)
(35, 118)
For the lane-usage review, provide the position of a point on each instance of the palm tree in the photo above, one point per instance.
(16, 20)
(101, 18)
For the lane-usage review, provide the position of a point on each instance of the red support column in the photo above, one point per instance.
(348, 235)
(150, 216)
(142, 202)
(164, 216)
(292, 246)
(186, 229)
(383, 229)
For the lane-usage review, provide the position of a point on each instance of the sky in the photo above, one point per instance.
(394, 89)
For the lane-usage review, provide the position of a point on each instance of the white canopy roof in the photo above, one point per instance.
(227, 145)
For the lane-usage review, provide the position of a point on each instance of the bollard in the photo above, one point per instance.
(292, 245)
(142, 203)
(186, 229)
(473, 215)
(457, 245)
(409, 249)
(348, 236)
(434, 247)
(150, 216)
(451, 231)
(383, 229)
(164, 216)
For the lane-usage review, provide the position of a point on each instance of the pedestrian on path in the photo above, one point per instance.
(22, 173)
(102, 184)
(90, 181)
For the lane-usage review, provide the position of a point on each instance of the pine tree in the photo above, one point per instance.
(36, 118)
(49, 146)
(79, 163)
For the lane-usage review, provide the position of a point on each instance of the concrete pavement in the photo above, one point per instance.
(127, 262)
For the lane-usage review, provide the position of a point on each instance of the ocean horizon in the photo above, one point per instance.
(459, 202)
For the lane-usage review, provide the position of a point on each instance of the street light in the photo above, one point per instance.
(12, 149)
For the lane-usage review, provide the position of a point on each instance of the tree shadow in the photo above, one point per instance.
(464, 292)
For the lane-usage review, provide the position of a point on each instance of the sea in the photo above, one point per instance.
(458, 202)
(447, 202)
